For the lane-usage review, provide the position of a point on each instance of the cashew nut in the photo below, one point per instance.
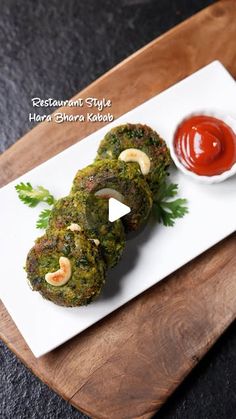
(62, 276)
(110, 193)
(138, 156)
(96, 241)
(74, 227)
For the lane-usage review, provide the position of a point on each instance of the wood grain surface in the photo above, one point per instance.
(127, 365)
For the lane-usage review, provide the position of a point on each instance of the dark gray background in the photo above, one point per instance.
(54, 49)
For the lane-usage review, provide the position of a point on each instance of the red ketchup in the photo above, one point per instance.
(205, 145)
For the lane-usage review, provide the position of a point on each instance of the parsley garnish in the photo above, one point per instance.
(44, 216)
(165, 210)
(33, 196)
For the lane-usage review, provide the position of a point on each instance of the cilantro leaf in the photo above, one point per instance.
(165, 210)
(167, 190)
(33, 196)
(43, 219)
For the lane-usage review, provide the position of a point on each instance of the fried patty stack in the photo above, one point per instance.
(68, 264)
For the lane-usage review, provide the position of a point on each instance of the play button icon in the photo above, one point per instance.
(117, 209)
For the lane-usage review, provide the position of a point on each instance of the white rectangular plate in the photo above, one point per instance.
(148, 258)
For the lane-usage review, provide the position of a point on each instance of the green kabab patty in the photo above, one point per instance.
(87, 268)
(141, 137)
(124, 178)
(91, 214)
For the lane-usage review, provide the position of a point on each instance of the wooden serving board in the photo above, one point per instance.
(128, 364)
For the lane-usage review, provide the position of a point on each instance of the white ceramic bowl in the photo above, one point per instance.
(231, 122)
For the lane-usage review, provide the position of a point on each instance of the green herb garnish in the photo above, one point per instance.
(165, 210)
(43, 219)
(33, 196)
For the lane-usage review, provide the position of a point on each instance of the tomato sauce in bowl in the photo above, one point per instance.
(203, 146)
